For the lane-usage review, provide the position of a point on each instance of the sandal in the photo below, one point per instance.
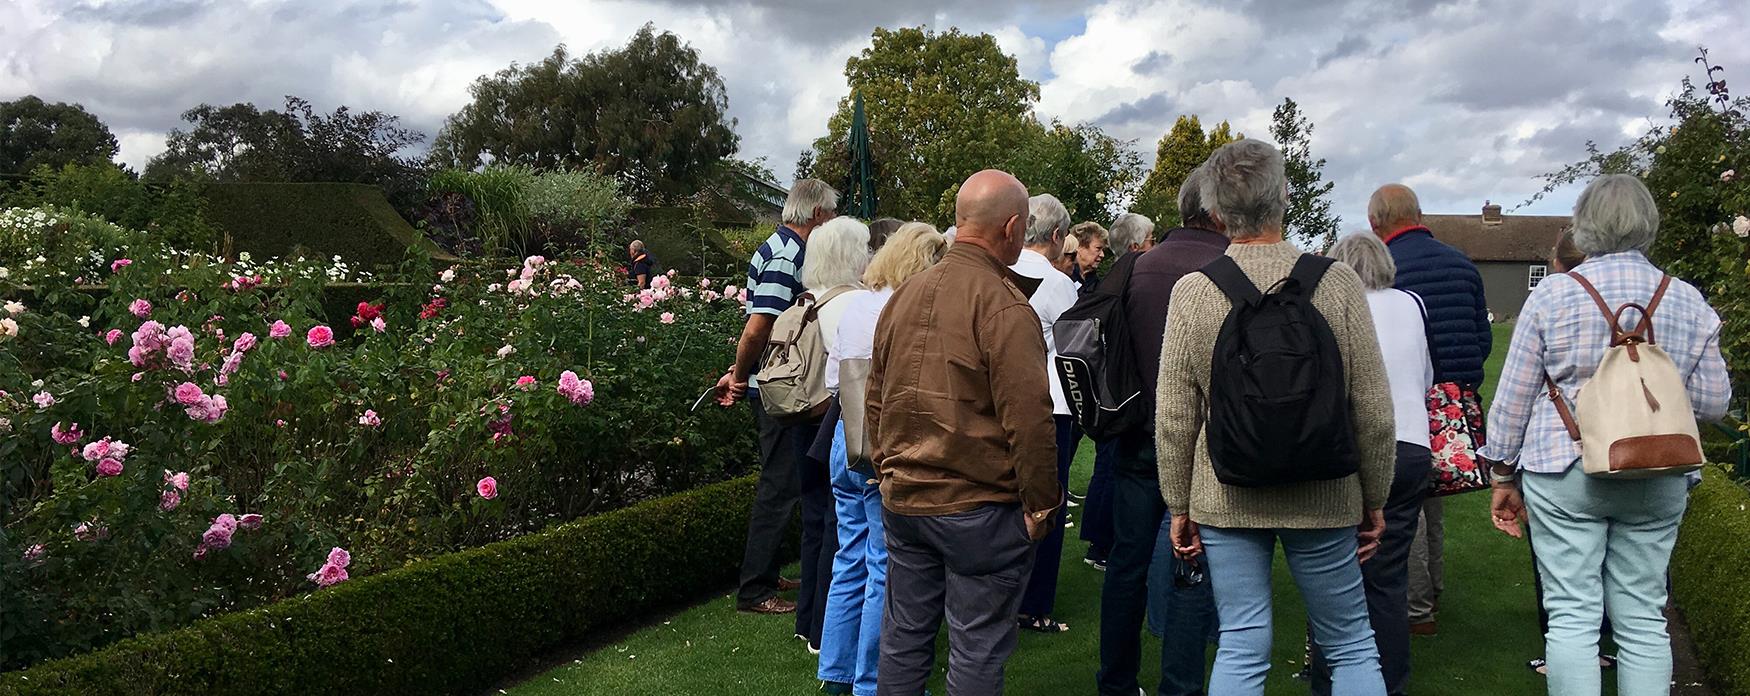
(1607, 661)
(1539, 665)
(1042, 624)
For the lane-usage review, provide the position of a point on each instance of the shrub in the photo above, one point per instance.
(1707, 576)
(681, 240)
(173, 214)
(321, 220)
(499, 196)
(457, 623)
(572, 210)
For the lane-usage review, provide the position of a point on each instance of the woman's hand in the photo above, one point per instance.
(1187, 541)
(1372, 528)
(1507, 508)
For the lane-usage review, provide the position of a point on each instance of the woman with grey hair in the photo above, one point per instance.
(1596, 537)
(1323, 524)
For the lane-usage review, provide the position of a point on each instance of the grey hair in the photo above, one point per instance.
(838, 253)
(807, 196)
(1365, 253)
(1046, 218)
(637, 245)
(1191, 198)
(1128, 230)
(1244, 186)
(1615, 213)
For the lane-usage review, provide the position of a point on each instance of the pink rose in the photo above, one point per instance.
(729, 290)
(487, 488)
(244, 343)
(117, 265)
(140, 308)
(279, 423)
(646, 298)
(112, 336)
(181, 351)
(659, 283)
(168, 500)
(109, 467)
(319, 336)
(370, 419)
(339, 558)
(329, 575)
(525, 382)
(66, 436)
(188, 394)
(95, 451)
(34, 554)
(279, 330)
(250, 521)
(227, 521)
(667, 317)
(704, 283)
(178, 480)
(579, 391)
(43, 399)
(379, 325)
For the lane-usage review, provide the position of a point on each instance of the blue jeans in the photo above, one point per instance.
(1606, 538)
(850, 641)
(1040, 597)
(1097, 523)
(1325, 568)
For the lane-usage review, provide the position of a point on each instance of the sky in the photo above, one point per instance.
(1463, 100)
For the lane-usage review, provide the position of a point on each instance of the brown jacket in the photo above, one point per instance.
(959, 411)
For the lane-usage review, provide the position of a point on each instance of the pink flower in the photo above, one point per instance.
(646, 298)
(117, 265)
(487, 488)
(319, 336)
(517, 286)
(209, 409)
(704, 283)
(579, 391)
(244, 343)
(526, 382)
(91, 531)
(109, 467)
(279, 330)
(328, 576)
(250, 521)
(667, 317)
(729, 290)
(168, 500)
(370, 419)
(226, 521)
(188, 394)
(140, 308)
(279, 423)
(711, 296)
(660, 282)
(284, 376)
(339, 558)
(34, 554)
(112, 336)
(43, 399)
(379, 325)
(66, 436)
(177, 480)
(137, 376)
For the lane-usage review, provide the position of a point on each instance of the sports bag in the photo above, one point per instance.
(1096, 361)
(793, 372)
(1278, 400)
(1634, 413)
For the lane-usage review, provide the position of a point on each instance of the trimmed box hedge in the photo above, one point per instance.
(455, 624)
(353, 221)
(1708, 571)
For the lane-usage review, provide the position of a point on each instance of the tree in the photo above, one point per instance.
(940, 106)
(1091, 172)
(1309, 220)
(35, 133)
(1181, 150)
(651, 113)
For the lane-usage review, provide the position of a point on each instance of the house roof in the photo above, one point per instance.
(1526, 238)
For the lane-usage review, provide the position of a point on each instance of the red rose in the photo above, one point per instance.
(368, 311)
(1437, 442)
(1451, 389)
(1453, 413)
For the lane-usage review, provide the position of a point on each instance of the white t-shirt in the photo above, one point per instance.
(828, 317)
(1056, 293)
(1397, 320)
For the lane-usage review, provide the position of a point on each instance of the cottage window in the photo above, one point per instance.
(1534, 275)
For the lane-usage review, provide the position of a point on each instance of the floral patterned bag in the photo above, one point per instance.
(1455, 433)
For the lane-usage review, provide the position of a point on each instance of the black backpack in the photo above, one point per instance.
(1097, 362)
(1278, 400)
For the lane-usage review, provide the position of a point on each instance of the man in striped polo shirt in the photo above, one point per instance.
(773, 284)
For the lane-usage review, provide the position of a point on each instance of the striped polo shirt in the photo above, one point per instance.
(774, 279)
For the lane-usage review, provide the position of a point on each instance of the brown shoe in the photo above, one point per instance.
(1426, 628)
(786, 584)
(773, 605)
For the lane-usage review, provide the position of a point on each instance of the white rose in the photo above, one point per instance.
(4, 274)
(449, 275)
(14, 307)
(506, 351)
(85, 322)
(8, 328)
(1741, 226)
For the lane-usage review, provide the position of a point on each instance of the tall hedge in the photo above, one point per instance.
(353, 221)
(1709, 570)
(455, 624)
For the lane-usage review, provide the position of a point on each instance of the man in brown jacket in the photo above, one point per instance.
(959, 414)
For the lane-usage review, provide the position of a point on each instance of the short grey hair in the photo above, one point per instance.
(1128, 230)
(637, 245)
(807, 196)
(1365, 253)
(1244, 186)
(1046, 219)
(1615, 213)
(1191, 198)
(838, 253)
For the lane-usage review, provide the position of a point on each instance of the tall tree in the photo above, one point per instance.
(941, 106)
(35, 133)
(1091, 172)
(1309, 220)
(1181, 150)
(651, 113)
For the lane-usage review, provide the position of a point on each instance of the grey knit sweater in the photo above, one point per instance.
(1188, 482)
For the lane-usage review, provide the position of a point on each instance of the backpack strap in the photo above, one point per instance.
(1117, 281)
(1562, 410)
(1232, 281)
(1308, 271)
(815, 305)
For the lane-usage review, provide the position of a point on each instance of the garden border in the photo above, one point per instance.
(1707, 572)
(457, 623)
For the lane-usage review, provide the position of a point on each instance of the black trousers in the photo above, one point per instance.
(774, 501)
(820, 538)
(1040, 599)
(1386, 576)
(1097, 507)
(967, 566)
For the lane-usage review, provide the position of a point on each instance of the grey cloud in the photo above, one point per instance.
(816, 23)
(1154, 62)
(145, 13)
(1349, 46)
(1156, 107)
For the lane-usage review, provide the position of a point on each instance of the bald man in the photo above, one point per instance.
(959, 418)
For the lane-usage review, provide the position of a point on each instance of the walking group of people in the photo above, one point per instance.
(915, 408)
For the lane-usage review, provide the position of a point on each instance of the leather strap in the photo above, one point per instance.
(1609, 315)
(1567, 415)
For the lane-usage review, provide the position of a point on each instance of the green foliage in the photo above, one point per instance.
(34, 133)
(424, 628)
(75, 247)
(681, 240)
(573, 210)
(651, 114)
(318, 220)
(518, 211)
(174, 213)
(500, 194)
(1707, 577)
(1181, 150)
(1309, 219)
(1091, 172)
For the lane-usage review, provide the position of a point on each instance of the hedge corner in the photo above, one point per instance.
(1708, 571)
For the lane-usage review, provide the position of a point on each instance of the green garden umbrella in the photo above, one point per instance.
(860, 190)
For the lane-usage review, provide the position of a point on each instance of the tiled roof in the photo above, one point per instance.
(1515, 238)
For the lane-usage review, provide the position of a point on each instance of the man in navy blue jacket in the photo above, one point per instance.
(1459, 339)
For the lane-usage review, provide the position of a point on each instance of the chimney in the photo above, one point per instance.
(1491, 213)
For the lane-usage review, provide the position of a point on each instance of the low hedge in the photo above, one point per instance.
(459, 623)
(1708, 570)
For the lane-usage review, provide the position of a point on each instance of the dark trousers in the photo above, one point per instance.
(1386, 576)
(1097, 507)
(1040, 597)
(1137, 509)
(967, 566)
(774, 499)
(820, 541)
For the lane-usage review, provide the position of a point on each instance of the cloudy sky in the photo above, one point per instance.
(1462, 99)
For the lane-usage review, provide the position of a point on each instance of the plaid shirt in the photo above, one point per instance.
(1560, 331)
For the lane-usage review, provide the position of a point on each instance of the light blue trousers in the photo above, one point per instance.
(1605, 538)
(1325, 568)
(850, 638)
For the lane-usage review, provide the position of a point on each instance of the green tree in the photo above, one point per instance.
(1091, 172)
(35, 133)
(941, 106)
(1309, 220)
(651, 113)
(1181, 150)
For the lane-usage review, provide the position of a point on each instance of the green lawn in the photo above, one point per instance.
(1488, 629)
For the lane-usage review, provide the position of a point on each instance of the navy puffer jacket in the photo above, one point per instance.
(1452, 290)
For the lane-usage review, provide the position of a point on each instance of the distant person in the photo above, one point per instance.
(1048, 221)
(1131, 234)
(1137, 507)
(964, 443)
(1288, 495)
(773, 284)
(1460, 338)
(1089, 255)
(642, 268)
(880, 230)
(1602, 544)
(1066, 259)
(1403, 344)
